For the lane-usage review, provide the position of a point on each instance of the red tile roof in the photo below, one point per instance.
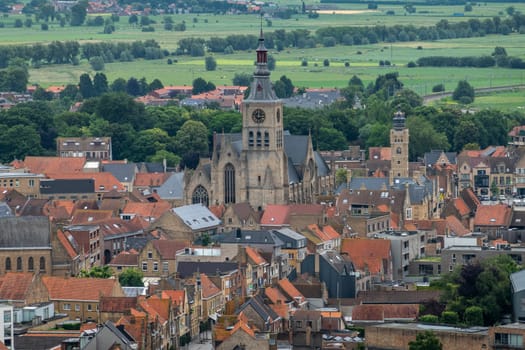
(147, 210)
(49, 165)
(275, 295)
(66, 241)
(15, 285)
(254, 256)
(82, 289)
(168, 248)
(278, 215)
(104, 182)
(177, 296)
(493, 215)
(275, 214)
(150, 179)
(209, 289)
(382, 312)
(327, 233)
(156, 307)
(89, 216)
(117, 304)
(125, 259)
(367, 254)
(461, 206)
(455, 226)
(288, 288)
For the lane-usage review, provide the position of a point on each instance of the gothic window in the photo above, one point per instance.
(200, 195)
(8, 264)
(398, 150)
(229, 182)
(259, 139)
(30, 264)
(250, 139)
(19, 264)
(266, 139)
(42, 263)
(278, 115)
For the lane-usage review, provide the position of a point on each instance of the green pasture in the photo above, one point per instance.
(364, 62)
(208, 25)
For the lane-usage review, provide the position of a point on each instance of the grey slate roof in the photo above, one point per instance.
(371, 183)
(122, 172)
(338, 262)
(313, 99)
(151, 167)
(249, 237)
(173, 187)
(295, 147)
(264, 311)
(24, 232)
(67, 186)
(518, 281)
(188, 268)
(5, 210)
(197, 216)
(430, 158)
(322, 167)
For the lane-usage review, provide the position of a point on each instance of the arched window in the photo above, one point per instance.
(30, 264)
(250, 139)
(278, 115)
(398, 150)
(259, 139)
(8, 264)
(42, 263)
(229, 182)
(200, 195)
(19, 264)
(266, 139)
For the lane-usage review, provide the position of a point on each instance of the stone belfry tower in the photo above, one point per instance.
(266, 174)
(399, 137)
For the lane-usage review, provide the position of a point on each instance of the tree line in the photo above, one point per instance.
(58, 52)
(498, 58)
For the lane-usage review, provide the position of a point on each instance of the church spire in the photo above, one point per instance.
(261, 88)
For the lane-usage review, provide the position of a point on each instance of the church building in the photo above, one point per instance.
(263, 164)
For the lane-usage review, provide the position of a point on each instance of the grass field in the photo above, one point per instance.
(365, 65)
(363, 59)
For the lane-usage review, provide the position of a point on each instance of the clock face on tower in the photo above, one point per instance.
(258, 116)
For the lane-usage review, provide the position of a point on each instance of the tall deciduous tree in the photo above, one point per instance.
(426, 340)
(78, 13)
(464, 92)
(192, 138)
(86, 86)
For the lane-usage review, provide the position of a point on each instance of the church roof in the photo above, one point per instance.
(322, 167)
(25, 232)
(295, 147)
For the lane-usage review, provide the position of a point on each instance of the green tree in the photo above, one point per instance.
(78, 13)
(18, 141)
(117, 107)
(341, 176)
(85, 86)
(131, 277)
(426, 340)
(210, 63)
(425, 139)
(97, 272)
(463, 92)
(494, 190)
(331, 139)
(450, 317)
(284, 87)
(271, 62)
(474, 316)
(192, 137)
(100, 84)
(242, 79)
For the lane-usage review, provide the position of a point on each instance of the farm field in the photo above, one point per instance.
(363, 60)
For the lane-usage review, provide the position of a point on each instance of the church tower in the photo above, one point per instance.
(399, 147)
(266, 180)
